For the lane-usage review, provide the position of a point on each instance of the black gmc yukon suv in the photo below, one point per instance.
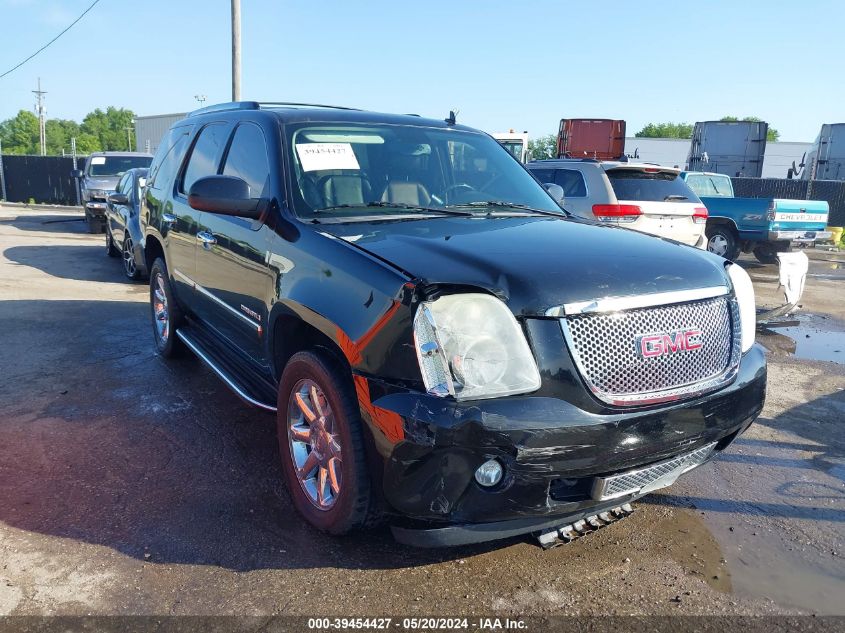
(443, 347)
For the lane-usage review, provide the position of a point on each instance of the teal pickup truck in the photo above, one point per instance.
(764, 226)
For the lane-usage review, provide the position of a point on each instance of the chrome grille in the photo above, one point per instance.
(605, 347)
(650, 478)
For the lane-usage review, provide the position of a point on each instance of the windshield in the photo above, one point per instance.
(650, 186)
(116, 165)
(708, 185)
(514, 147)
(352, 170)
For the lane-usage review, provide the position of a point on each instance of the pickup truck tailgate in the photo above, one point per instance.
(798, 215)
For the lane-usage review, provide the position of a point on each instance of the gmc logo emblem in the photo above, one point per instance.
(654, 345)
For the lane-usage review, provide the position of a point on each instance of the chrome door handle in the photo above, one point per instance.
(206, 238)
(168, 218)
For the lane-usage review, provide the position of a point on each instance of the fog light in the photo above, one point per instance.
(489, 473)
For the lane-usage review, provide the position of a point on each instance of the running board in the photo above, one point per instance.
(571, 531)
(223, 370)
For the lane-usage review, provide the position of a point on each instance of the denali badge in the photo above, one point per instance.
(653, 345)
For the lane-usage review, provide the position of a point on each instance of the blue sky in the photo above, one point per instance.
(503, 64)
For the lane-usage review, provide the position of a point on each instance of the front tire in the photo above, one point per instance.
(167, 316)
(722, 241)
(321, 443)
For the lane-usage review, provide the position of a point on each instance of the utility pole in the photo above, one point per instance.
(129, 134)
(41, 111)
(236, 50)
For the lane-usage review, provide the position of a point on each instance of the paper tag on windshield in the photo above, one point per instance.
(98, 160)
(320, 156)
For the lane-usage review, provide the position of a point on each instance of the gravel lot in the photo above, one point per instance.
(133, 486)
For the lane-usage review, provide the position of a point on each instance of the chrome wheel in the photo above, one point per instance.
(109, 246)
(161, 314)
(129, 258)
(718, 245)
(314, 444)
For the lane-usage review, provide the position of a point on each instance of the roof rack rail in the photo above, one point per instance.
(303, 105)
(224, 107)
(257, 105)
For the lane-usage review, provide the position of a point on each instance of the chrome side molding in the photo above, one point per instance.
(617, 304)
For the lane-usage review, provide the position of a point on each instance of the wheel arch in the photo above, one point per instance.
(721, 220)
(153, 248)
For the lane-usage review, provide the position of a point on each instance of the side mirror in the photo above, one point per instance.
(118, 198)
(76, 173)
(555, 191)
(226, 195)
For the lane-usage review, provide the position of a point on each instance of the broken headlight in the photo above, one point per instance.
(471, 346)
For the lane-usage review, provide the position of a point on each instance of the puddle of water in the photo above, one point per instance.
(814, 338)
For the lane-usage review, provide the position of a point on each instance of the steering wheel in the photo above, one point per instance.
(461, 186)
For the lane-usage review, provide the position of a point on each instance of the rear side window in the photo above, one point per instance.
(572, 182)
(247, 158)
(544, 175)
(205, 157)
(168, 157)
(643, 186)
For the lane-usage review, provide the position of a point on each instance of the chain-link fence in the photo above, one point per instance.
(39, 179)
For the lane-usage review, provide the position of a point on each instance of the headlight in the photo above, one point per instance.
(470, 346)
(744, 291)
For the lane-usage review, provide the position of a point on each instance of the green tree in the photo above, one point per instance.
(542, 147)
(666, 130)
(20, 134)
(109, 127)
(772, 135)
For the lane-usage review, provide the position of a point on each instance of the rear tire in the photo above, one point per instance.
(768, 253)
(722, 240)
(308, 447)
(167, 322)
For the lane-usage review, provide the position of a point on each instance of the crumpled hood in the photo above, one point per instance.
(535, 263)
(102, 182)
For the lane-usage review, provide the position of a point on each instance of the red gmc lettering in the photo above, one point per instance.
(655, 345)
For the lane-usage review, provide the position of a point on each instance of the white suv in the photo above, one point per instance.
(647, 198)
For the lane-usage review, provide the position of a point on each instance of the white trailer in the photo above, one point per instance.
(515, 142)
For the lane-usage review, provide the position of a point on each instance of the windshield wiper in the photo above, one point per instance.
(673, 197)
(487, 204)
(397, 205)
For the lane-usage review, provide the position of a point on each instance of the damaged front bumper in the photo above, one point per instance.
(553, 453)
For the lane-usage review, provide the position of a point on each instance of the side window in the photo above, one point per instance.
(544, 175)
(168, 157)
(572, 182)
(247, 158)
(122, 187)
(205, 157)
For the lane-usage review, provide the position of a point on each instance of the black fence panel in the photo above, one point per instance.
(42, 179)
(833, 191)
(770, 188)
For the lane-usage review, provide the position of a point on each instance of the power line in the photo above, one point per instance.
(14, 68)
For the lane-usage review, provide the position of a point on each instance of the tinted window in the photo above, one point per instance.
(123, 184)
(544, 175)
(168, 157)
(247, 158)
(572, 182)
(205, 156)
(633, 184)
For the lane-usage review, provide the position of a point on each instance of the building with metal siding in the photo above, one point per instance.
(149, 130)
(672, 152)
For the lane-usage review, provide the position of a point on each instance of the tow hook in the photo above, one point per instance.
(559, 536)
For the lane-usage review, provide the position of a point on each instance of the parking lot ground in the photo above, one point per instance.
(130, 485)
